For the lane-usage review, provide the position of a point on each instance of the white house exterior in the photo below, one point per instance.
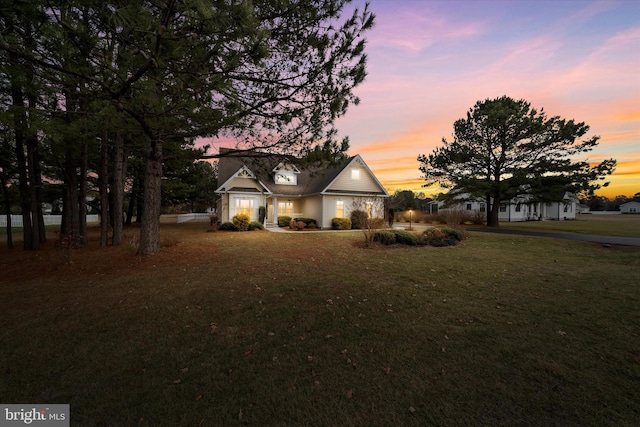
(630, 208)
(522, 208)
(248, 183)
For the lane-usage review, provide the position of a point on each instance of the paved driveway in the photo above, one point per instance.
(594, 238)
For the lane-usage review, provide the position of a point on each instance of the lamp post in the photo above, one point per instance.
(410, 217)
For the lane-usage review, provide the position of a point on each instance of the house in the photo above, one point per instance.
(521, 208)
(630, 208)
(284, 189)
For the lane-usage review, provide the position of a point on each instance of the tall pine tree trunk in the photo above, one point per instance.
(119, 172)
(150, 226)
(19, 124)
(35, 175)
(493, 212)
(104, 190)
(72, 163)
(70, 213)
(38, 196)
(7, 207)
(82, 192)
(34, 202)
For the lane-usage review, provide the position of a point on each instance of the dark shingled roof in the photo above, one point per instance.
(310, 181)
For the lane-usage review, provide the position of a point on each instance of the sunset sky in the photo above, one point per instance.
(430, 61)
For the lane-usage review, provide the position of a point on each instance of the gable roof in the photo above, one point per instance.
(311, 180)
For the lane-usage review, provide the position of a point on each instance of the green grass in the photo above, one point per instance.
(260, 328)
(608, 225)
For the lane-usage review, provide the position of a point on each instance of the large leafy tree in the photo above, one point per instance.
(505, 148)
(275, 74)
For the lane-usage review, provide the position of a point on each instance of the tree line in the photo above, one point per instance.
(110, 96)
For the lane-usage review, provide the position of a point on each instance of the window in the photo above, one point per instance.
(339, 209)
(503, 208)
(286, 178)
(518, 207)
(370, 209)
(468, 206)
(355, 174)
(245, 207)
(566, 208)
(483, 207)
(285, 208)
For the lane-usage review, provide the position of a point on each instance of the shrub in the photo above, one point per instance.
(255, 225)
(227, 226)
(377, 223)
(478, 217)
(296, 225)
(341, 224)
(442, 236)
(283, 221)
(455, 216)
(385, 237)
(241, 222)
(403, 237)
(406, 237)
(359, 219)
(307, 221)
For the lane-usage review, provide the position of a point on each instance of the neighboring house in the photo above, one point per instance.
(247, 183)
(630, 208)
(583, 209)
(521, 208)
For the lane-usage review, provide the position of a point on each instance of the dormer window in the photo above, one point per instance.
(285, 174)
(285, 178)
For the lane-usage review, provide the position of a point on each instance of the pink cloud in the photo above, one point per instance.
(414, 29)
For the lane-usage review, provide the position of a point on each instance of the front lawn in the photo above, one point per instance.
(274, 329)
(606, 225)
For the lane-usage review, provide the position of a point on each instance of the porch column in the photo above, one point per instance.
(274, 218)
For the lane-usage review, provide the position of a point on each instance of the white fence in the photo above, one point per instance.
(180, 218)
(16, 220)
(604, 213)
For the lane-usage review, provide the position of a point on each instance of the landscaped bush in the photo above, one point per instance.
(442, 236)
(283, 220)
(341, 224)
(241, 222)
(404, 237)
(296, 225)
(255, 225)
(307, 221)
(359, 219)
(227, 226)
(385, 237)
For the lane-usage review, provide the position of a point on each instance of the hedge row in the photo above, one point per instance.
(437, 236)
